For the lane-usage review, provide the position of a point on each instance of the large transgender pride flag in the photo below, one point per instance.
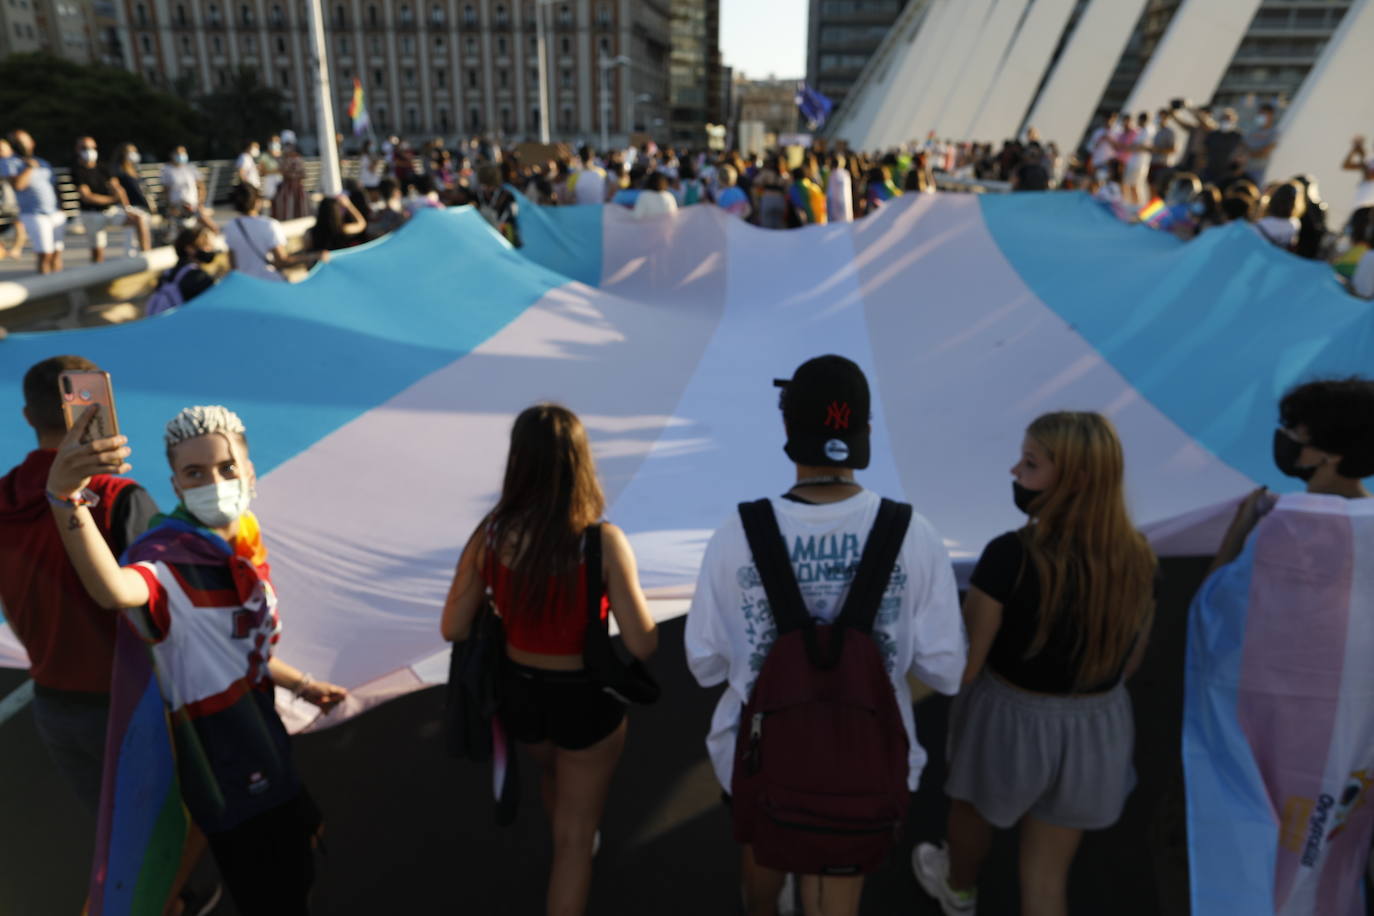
(379, 392)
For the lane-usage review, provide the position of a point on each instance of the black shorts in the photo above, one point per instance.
(565, 707)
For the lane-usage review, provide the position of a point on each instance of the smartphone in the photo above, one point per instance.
(81, 390)
(1176, 104)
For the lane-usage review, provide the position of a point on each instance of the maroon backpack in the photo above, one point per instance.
(820, 775)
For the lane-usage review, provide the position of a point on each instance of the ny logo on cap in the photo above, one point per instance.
(837, 415)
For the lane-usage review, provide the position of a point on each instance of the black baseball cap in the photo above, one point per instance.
(825, 407)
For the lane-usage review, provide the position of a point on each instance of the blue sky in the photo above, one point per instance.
(760, 37)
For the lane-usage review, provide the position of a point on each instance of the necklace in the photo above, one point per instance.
(825, 481)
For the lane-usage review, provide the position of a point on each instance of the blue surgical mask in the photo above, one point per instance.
(181, 158)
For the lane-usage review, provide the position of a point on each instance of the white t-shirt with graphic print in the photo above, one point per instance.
(730, 630)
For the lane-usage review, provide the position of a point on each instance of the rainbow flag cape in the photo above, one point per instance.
(1344, 264)
(1278, 734)
(142, 824)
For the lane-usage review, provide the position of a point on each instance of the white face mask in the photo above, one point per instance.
(218, 505)
(135, 158)
(89, 155)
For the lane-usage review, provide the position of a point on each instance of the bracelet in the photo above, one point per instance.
(305, 681)
(77, 499)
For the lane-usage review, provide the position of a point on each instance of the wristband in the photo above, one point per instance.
(80, 498)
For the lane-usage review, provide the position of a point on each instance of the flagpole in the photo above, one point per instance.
(331, 179)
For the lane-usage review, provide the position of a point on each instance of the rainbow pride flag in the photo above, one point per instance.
(357, 109)
(142, 824)
(1278, 733)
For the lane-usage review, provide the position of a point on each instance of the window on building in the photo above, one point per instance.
(377, 77)
(565, 45)
(250, 44)
(279, 18)
(381, 117)
(441, 78)
(439, 44)
(502, 79)
(534, 116)
(469, 16)
(443, 120)
(345, 47)
(217, 45)
(507, 120)
(407, 45)
(285, 77)
(565, 118)
(565, 78)
(185, 44)
(407, 16)
(603, 14)
(474, 118)
(376, 46)
(340, 16)
(534, 45)
(501, 45)
(246, 15)
(212, 15)
(374, 19)
(281, 45)
(409, 75)
(605, 45)
(472, 78)
(141, 14)
(436, 14)
(502, 17)
(470, 45)
(181, 14)
(146, 43)
(565, 17)
(412, 118)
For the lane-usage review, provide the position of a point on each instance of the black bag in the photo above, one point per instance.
(629, 680)
(474, 669)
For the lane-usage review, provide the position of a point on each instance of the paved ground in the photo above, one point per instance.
(410, 830)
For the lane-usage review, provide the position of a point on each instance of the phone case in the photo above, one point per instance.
(80, 390)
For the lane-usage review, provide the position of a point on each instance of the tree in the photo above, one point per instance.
(57, 101)
(244, 107)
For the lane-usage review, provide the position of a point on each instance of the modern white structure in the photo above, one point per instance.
(1193, 56)
(1331, 108)
(986, 70)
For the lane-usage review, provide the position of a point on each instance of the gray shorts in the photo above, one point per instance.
(1064, 760)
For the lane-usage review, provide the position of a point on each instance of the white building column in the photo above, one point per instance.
(1012, 90)
(1193, 54)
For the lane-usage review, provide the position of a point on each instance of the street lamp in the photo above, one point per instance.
(540, 51)
(607, 64)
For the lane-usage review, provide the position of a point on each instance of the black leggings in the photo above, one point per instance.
(266, 862)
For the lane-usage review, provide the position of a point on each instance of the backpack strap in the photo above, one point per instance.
(591, 555)
(775, 569)
(875, 566)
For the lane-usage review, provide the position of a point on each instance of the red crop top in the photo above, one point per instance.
(557, 630)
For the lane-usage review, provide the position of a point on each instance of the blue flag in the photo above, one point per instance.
(813, 106)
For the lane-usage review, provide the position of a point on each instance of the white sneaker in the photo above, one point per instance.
(787, 899)
(930, 863)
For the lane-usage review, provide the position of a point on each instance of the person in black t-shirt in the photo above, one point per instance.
(103, 202)
(1058, 614)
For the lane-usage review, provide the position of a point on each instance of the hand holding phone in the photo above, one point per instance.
(80, 390)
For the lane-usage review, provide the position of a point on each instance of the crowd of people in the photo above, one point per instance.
(812, 740)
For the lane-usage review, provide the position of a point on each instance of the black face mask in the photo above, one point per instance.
(205, 257)
(1286, 452)
(1023, 497)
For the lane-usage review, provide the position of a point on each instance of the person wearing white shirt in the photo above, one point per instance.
(839, 192)
(1138, 163)
(589, 181)
(825, 519)
(257, 244)
(246, 166)
(1101, 144)
(655, 199)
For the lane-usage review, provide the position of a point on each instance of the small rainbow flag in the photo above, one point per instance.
(1152, 212)
(357, 109)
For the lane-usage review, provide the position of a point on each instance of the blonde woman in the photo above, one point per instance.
(1057, 614)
